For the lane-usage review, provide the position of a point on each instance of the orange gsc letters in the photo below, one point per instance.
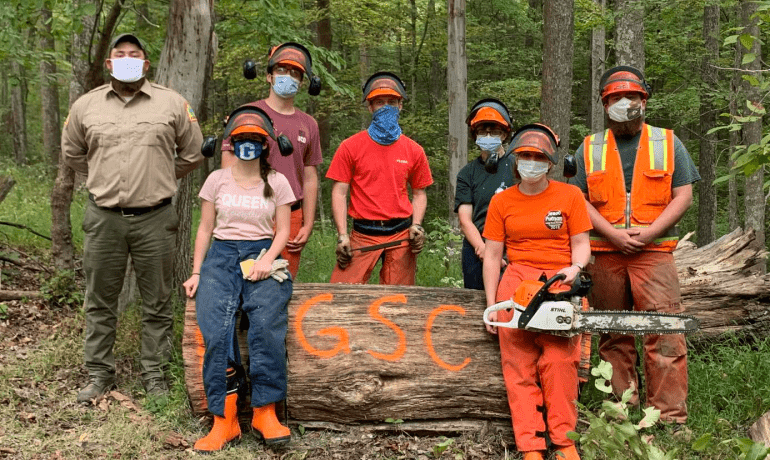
(650, 187)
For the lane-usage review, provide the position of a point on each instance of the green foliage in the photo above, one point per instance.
(3, 311)
(62, 290)
(611, 434)
(438, 449)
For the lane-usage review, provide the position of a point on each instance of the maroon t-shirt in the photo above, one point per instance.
(302, 131)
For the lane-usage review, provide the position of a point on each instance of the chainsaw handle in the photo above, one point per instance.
(537, 300)
(505, 305)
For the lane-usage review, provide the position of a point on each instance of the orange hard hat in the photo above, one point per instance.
(624, 79)
(249, 119)
(383, 84)
(536, 137)
(291, 54)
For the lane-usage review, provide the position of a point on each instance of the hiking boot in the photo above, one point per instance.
(95, 390)
(567, 453)
(266, 424)
(156, 387)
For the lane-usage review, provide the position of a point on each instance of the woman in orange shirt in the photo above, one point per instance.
(543, 226)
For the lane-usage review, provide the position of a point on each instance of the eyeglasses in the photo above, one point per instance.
(490, 131)
(291, 71)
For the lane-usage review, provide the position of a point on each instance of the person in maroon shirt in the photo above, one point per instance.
(287, 67)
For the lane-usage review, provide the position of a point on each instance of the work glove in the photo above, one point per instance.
(279, 271)
(344, 251)
(416, 238)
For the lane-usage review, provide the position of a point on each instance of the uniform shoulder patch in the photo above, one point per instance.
(190, 112)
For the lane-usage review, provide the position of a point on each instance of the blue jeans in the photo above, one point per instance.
(222, 290)
(473, 273)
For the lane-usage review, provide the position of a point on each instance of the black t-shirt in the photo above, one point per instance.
(475, 186)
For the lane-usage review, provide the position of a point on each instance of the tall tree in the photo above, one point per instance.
(88, 50)
(733, 219)
(629, 33)
(597, 69)
(707, 196)
(18, 111)
(555, 108)
(457, 80)
(754, 198)
(49, 90)
(183, 66)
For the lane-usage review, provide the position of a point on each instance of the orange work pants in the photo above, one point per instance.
(293, 257)
(645, 281)
(540, 372)
(399, 265)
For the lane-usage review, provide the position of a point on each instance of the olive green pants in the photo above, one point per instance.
(109, 239)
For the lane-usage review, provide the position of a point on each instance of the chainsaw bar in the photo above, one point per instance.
(638, 323)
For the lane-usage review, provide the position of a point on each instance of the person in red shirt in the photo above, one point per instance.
(376, 167)
(543, 225)
(286, 68)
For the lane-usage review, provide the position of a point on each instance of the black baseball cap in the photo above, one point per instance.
(131, 38)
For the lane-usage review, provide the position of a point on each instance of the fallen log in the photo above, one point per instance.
(18, 295)
(370, 353)
(760, 430)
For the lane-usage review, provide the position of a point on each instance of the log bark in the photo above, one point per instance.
(363, 354)
(18, 295)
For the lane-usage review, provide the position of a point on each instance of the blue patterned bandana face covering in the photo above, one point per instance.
(489, 143)
(384, 129)
(285, 86)
(247, 150)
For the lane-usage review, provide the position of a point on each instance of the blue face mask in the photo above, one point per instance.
(285, 86)
(384, 129)
(489, 143)
(247, 150)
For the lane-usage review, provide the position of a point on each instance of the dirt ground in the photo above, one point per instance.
(41, 370)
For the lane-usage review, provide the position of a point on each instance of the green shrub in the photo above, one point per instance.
(62, 290)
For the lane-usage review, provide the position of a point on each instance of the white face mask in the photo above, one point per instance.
(531, 170)
(625, 110)
(127, 69)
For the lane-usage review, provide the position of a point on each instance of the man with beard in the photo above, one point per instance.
(133, 139)
(638, 182)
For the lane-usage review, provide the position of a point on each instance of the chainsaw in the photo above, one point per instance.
(537, 309)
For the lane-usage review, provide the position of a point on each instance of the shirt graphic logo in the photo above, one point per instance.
(301, 137)
(554, 220)
(500, 188)
(403, 162)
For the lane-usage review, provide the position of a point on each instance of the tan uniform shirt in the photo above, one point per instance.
(127, 149)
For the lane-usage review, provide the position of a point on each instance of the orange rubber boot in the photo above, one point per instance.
(567, 453)
(533, 455)
(225, 428)
(267, 424)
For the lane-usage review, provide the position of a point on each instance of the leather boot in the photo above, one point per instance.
(567, 453)
(225, 428)
(533, 455)
(267, 424)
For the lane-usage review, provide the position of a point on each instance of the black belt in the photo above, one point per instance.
(297, 205)
(132, 212)
(381, 227)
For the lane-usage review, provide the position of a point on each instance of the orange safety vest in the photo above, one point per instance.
(650, 187)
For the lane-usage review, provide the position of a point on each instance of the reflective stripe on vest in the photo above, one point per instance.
(597, 146)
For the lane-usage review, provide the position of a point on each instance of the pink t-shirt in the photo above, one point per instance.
(302, 131)
(379, 174)
(243, 213)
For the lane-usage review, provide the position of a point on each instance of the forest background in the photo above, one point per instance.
(706, 61)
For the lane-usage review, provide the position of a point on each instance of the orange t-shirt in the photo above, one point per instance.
(536, 229)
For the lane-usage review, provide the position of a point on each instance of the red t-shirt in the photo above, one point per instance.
(302, 131)
(536, 229)
(378, 175)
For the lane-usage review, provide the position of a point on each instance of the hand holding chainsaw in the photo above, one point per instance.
(344, 251)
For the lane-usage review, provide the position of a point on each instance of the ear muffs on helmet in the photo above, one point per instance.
(260, 119)
(301, 58)
(386, 83)
(638, 84)
(499, 107)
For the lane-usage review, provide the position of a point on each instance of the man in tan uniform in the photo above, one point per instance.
(133, 139)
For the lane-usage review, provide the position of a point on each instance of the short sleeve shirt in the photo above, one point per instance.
(475, 186)
(379, 174)
(536, 229)
(243, 213)
(685, 171)
(302, 131)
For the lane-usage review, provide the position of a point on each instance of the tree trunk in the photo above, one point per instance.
(87, 63)
(324, 39)
(356, 351)
(754, 198)
(629, 33)
(597, 69)
(457, 94)
(19, 113)
(734, 137)
(556, 102)
(49, 92)
(707, 161)
(183, 67)
(363, 69)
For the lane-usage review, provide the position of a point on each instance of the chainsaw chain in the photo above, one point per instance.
(693, 323)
